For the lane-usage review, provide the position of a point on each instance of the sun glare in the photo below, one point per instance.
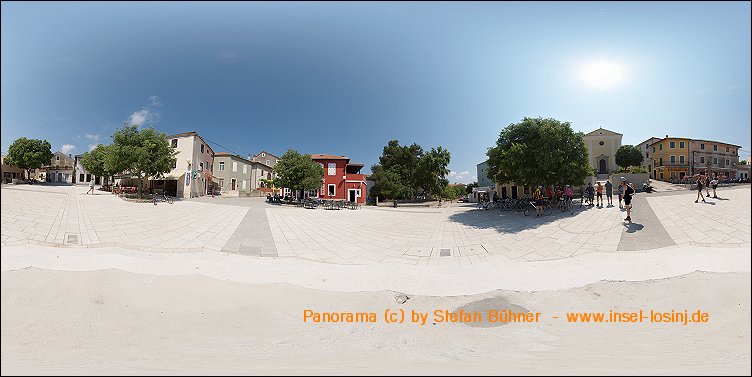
(602, 74)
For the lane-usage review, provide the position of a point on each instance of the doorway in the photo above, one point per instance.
(233, 182)
(602, 166)
(351, 193)
(514, 192)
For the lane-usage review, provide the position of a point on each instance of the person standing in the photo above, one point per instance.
(620, 190)
(714, 184)
(91, 187)
(700, 181)
(590, 191)
(599, 194)
(538, 197)
(628, 192)
(609, 193)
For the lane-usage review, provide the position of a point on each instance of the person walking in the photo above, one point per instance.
(91, 187)
(700, 181)
(714, 184)
(707, 185)
(590, 191)
(609, 193)
(569, 194)
(628, 192)
(599, 194)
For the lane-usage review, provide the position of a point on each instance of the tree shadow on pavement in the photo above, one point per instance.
(508, 221)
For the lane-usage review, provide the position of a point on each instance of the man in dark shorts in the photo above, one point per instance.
(714, 185)
(707, 185)
(700, 181)
(538, 198)
(590, 192)
(628, 192)
(609, 193)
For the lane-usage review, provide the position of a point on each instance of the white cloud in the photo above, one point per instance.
(460, 177)
(139, 117)
(92, 137)
(67, 148)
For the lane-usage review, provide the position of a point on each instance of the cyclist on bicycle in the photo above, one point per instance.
(538, 198)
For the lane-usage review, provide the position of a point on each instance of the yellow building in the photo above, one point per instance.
(671, 158)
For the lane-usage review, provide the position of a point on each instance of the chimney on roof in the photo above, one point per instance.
(666, 136)
(70, 155)
(249, 157)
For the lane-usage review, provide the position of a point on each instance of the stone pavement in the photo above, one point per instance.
(456, 234)
(722, 222)
(65, 216)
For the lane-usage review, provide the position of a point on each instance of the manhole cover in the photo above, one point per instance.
(72, 239)
(445, 253)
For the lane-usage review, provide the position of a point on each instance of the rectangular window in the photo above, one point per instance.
(653, 149)
(647, 155)
(243, 184)
(681, 159)
(57, 158)
(313, 193)
(727, 149)
(727, 162)
(221, 166)
(200, 166)
(81, 177)
(245, 169)
(331, 190)
(286, 191)
(702, 159)
(660, 146)
(672, 144)
(681, 144)
(673, 159)
(175, 163)
(202, 148)
(702, 146)
(673, 174)
(88, 177)
(715, 160)
(715, 147)
(332, 168)
(234, 166)
(267, 162)
(174, 143)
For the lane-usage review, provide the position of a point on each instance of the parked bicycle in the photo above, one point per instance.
(163, 198)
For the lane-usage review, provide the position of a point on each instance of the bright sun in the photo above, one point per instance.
(602, 74)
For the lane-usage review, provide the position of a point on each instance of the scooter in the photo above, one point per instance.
(647, 188)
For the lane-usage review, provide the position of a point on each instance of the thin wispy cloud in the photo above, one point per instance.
(147, 114)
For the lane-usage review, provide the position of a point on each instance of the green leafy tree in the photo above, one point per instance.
(628, 155)
(389, 184)
(142, 153)
(469, 187)
(432, 171)
(298, 172)
(417, 170)
(29, 154)
(94, 161)
(539, 151)
(453, 192)
(743, 162)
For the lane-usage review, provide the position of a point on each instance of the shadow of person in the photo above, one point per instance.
(719, 198)
(633, 227)
(709, 202)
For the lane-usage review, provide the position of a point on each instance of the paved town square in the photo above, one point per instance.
(455, 234)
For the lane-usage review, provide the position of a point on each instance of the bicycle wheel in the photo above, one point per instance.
(170, 200)
(154, 200)
(547, 209)
(528, 210)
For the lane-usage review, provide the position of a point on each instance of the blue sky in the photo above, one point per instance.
(344, 78)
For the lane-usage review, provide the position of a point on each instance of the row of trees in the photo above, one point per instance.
(139, 152)
(406, 171)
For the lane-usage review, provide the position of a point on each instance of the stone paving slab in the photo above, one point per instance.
(51, 215)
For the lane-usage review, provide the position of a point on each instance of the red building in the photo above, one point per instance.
(342, 179)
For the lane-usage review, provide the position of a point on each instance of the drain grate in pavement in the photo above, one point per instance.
(445, 253)
(71, 239)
